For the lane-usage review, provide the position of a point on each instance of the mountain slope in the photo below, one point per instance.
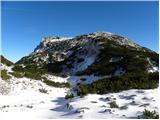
(5, 61)
(97, 75)
(99, 54)
(76, 54)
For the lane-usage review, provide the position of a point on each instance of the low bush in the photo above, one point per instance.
(29, 71)
(69, 96)
(116, 84)
(150, 114)
(56, 84)
(42, 90)
(35, 76)
(18, 68)
(17, 74)
(4, 75)
(113, 104)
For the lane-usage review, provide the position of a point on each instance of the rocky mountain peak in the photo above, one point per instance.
(79, 52)
(117, 38)
(47, 41)
(54, 39)
(99, 33)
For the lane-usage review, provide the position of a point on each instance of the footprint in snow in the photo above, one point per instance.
(133, 103)
(123, 107)
(130, 97)
(144, 105)
(107, 99)
(93, 101)
(146, 98)
(140, 91)
(103, 106)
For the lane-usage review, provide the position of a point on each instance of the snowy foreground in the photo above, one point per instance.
(31, 99)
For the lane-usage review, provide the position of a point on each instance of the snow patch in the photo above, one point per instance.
(115, 59)
(56, 78)
(120, 71)
(152, 67)
(5, 67)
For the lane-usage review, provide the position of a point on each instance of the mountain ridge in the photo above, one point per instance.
(99, 55)
(65, 50)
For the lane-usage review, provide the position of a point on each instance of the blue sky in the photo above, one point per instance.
(25, 23)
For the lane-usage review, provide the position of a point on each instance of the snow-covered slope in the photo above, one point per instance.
(32, 104)
(30, 99)
(5, 67)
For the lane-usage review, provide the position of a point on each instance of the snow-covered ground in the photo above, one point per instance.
(32, 99)
(84, 79)
(5, 67)
(131, 104)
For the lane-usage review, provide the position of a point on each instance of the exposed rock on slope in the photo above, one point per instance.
(85, 52)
